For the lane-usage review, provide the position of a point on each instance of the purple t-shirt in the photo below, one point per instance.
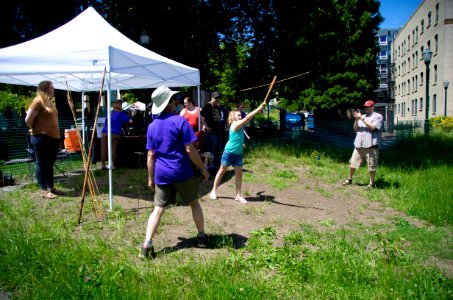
(118, 120)
(167, 136)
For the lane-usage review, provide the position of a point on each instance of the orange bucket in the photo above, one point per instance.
(71, 140)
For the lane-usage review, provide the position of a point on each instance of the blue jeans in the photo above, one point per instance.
(213, 144)
(46, 149)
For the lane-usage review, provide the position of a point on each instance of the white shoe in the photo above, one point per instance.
(212, 196)
(242, 200)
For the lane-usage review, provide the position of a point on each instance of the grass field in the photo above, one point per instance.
(44, 255)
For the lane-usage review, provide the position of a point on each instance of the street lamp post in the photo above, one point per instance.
(144, 38)
(427, 54)
(446, 88)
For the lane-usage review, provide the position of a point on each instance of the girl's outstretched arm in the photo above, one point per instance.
(241, 123)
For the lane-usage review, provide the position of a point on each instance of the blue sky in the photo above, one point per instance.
(397, 12)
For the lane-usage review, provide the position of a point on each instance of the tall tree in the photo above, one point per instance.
(335, 41)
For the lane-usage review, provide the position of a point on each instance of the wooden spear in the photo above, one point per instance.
(270, 89)
(89, 150)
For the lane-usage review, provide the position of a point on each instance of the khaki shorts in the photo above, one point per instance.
(370, 155)
(166, 193)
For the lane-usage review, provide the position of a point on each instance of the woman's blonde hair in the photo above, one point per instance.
(45, 93)
(231, 116)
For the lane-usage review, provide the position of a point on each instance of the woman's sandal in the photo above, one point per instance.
(56, 192)
(48, 195)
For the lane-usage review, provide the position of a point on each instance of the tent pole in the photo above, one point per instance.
(83, 118)
(199, 107)
(109, 137)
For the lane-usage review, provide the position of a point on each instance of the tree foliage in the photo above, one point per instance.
(238, 44)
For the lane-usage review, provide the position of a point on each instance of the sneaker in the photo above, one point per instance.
(347, 182)
(147, 253)
(241, 200)
(202, 241)
(212, 196)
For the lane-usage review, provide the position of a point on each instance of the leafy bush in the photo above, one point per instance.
(445, 123)
(13, 101)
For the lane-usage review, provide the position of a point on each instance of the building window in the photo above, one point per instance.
(421, 51)
(383, 40)
(429, 20)
(383, 54)
(416, 35)
(428, 44)
(437, 14)
(421, 104)
(421, 78)
(436, 43)
(435, 74)
(423, 26)
(408, 86)
(408, 43)
(415, 111)
(434, 104)
(416, 82)
(416, 59)
(383, 69)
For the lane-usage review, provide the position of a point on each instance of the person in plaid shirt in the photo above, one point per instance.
(366, 144)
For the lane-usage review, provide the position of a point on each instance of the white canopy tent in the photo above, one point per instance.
(75, 55)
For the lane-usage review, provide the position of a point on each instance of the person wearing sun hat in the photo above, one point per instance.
(366, 143)
(171, 152)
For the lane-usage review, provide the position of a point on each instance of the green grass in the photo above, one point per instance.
(44, 255)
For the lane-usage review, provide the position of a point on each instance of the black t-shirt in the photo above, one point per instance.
(212, 117)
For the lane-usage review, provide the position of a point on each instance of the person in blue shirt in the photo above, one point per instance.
(119, 120)
(232, 154)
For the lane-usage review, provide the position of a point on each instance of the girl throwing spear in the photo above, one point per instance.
(232, 155)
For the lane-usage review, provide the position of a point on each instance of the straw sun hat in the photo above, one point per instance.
(161, 96)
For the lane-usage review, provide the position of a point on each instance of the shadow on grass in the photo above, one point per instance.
(215, 241)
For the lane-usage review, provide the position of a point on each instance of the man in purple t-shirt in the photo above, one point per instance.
(171, 150)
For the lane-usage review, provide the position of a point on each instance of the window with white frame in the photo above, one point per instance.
(383, 54)
(383, 69)
(383, 40)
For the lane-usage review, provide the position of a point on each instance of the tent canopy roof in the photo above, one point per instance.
(78, 52)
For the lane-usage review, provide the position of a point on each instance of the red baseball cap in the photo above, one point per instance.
(368, 103)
